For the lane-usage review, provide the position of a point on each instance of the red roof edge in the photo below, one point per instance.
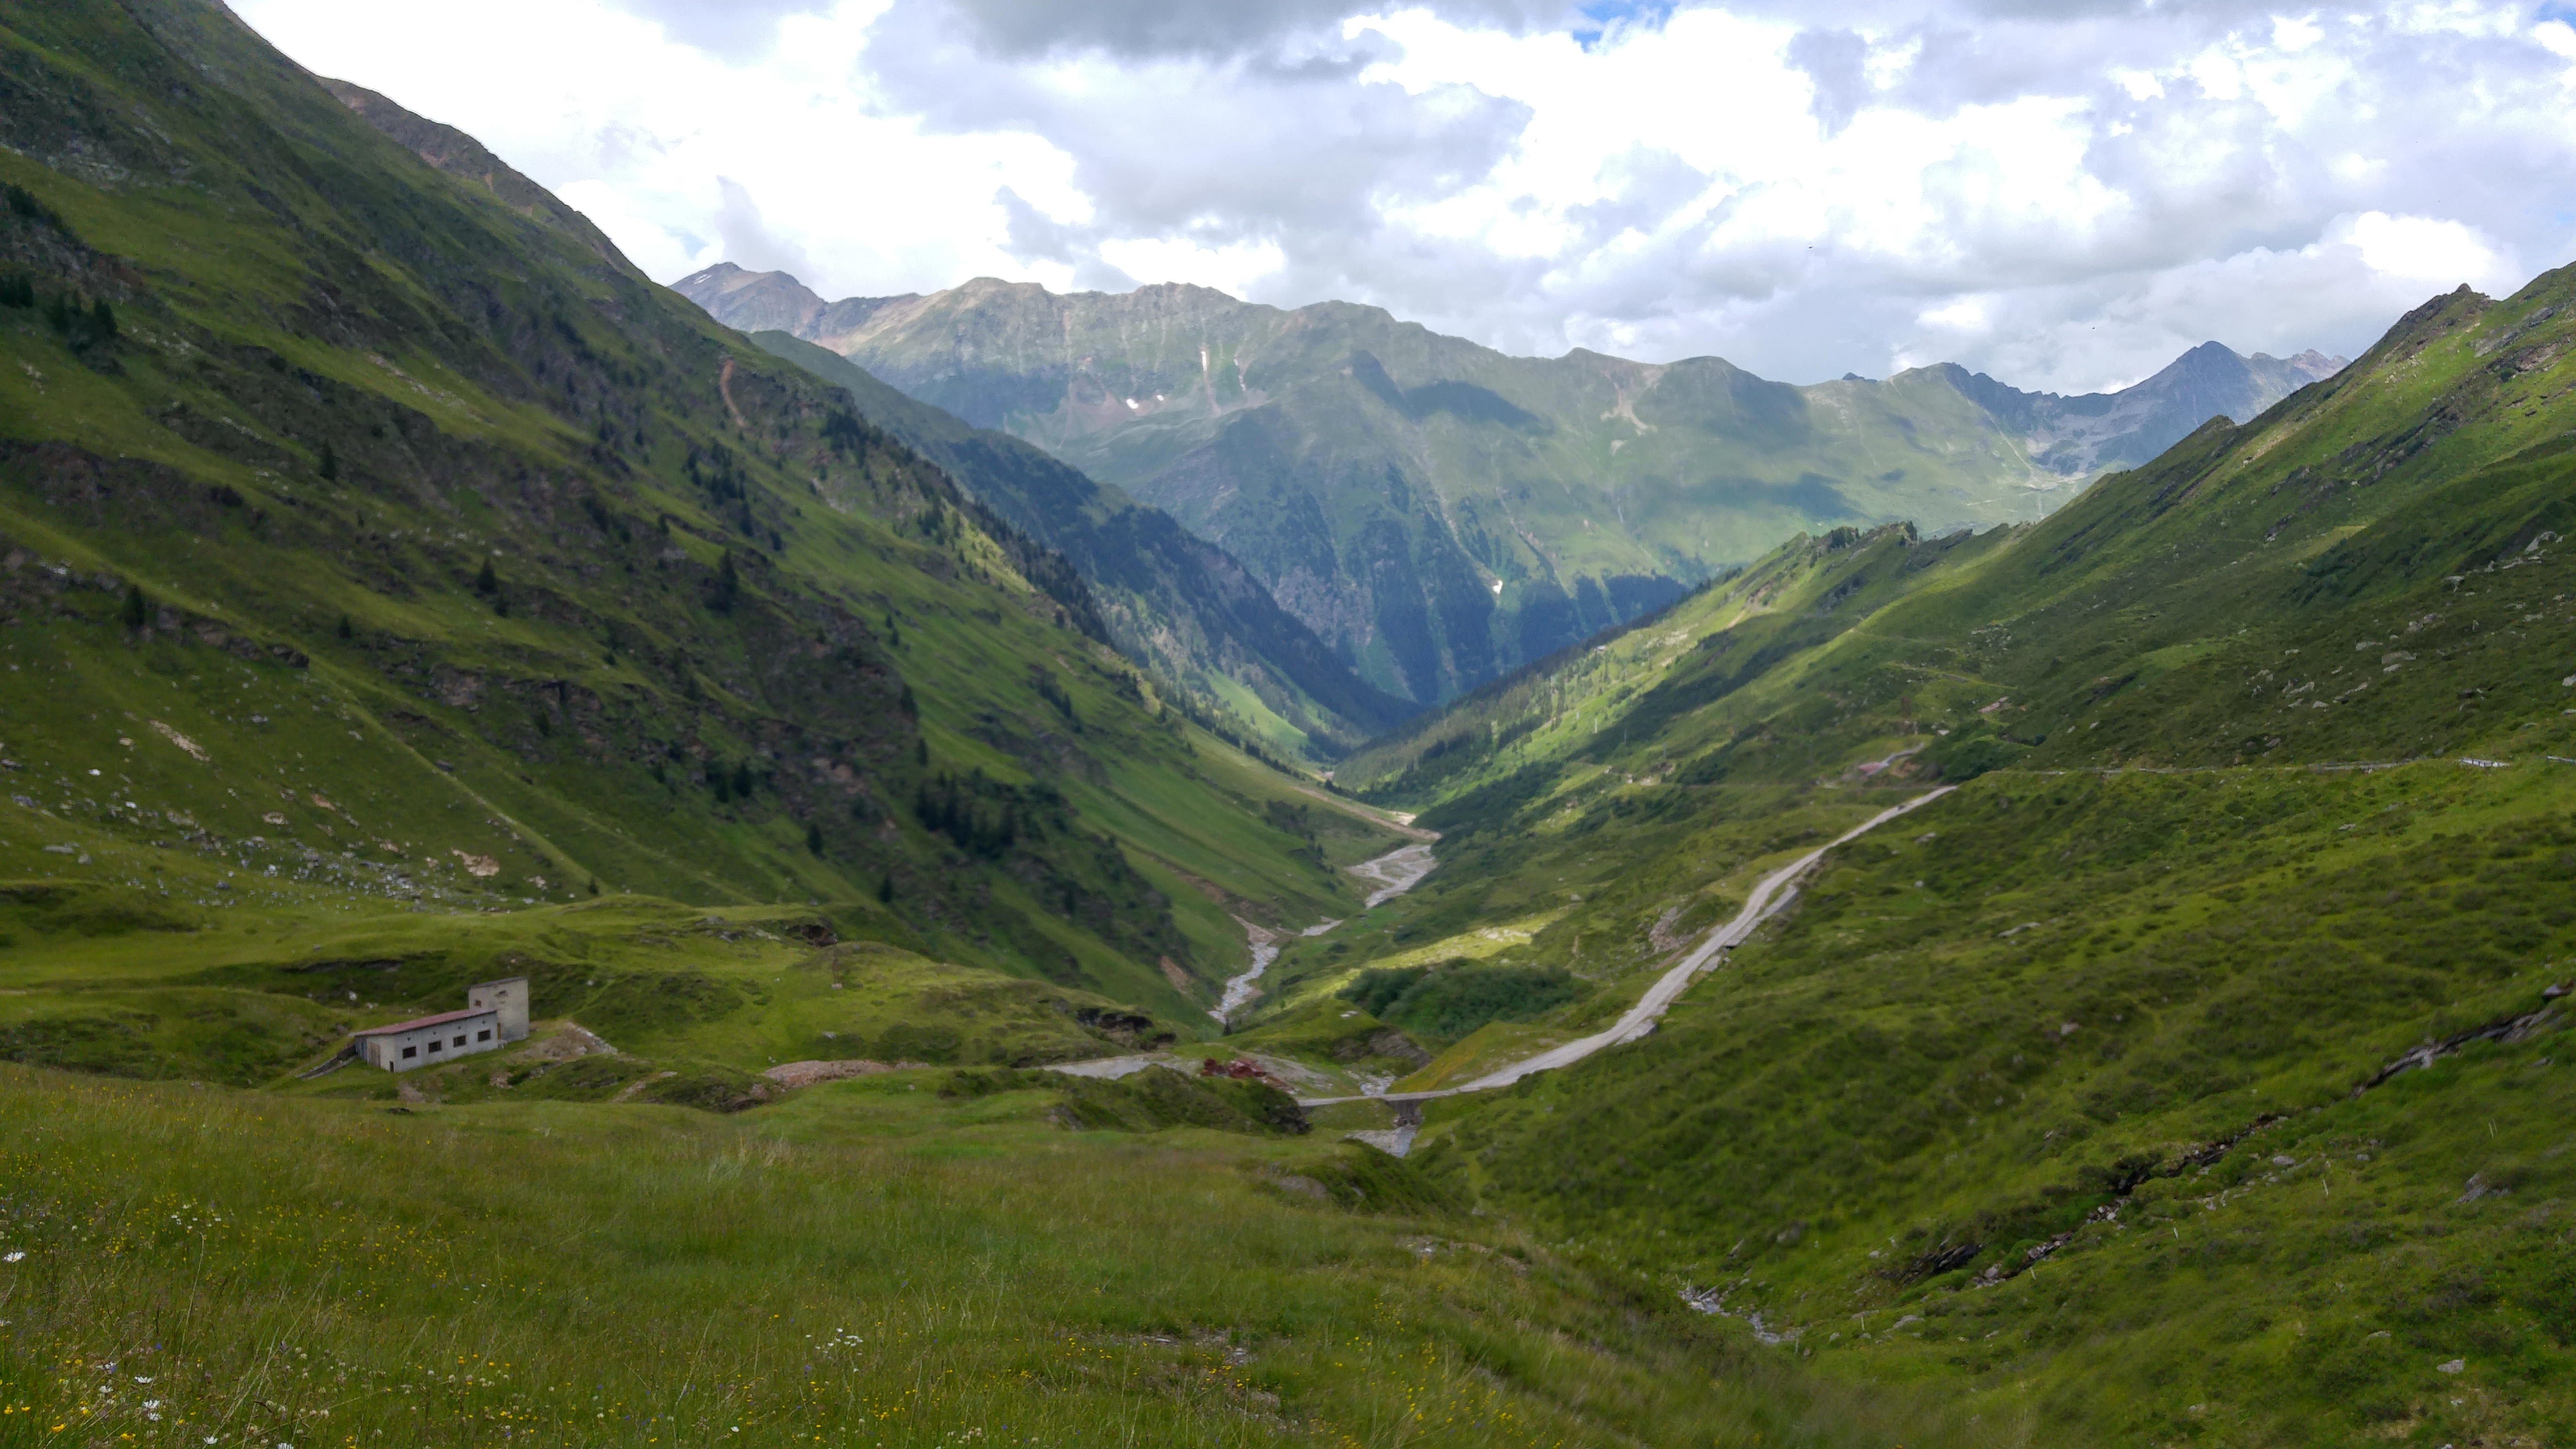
(420, 1021)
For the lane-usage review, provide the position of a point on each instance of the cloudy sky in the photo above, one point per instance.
(2063, 194)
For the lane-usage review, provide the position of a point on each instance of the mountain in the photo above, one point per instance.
(1441, 513)
(2193, 1070)
(382, 537)
(399, 593)
(1169, 598)
(2095, 432)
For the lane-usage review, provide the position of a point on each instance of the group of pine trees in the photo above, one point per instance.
(83, 324)
(968, 814)
(738, 783)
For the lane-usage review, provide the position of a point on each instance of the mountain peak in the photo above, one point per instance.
(752, 301)
(721, 272)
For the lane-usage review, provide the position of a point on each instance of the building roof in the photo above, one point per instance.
(417, 1022)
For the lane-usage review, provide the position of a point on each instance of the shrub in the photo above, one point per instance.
(1971, 752)
(1453, 998)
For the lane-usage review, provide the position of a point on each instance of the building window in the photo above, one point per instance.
(482, 1036)
(460, 1038)
(411, 1051)
(435, 1044)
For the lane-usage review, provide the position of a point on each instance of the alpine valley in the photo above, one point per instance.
(1441, 513)
(1891, 913)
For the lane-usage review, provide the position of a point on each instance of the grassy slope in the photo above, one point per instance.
(873, 1262)
(2161, 917)
(1905, 1099)
(314, 293)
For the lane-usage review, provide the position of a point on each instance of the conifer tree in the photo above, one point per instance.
(727, 585)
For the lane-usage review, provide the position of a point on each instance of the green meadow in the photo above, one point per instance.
(895, 1260)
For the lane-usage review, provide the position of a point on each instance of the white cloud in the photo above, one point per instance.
(2293, 34)
(2421, 249)
(2063, 198)
(2559, 39)
(1968, 314)
(1231, 268)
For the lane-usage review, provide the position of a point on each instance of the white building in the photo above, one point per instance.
(496, 1013)
(509, 997)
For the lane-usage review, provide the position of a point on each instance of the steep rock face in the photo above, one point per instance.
(1439, 512)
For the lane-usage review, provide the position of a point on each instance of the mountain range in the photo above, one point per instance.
(1439, 512)
(2090, 980)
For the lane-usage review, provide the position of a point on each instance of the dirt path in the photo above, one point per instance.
(1773, 892)
(724, 389)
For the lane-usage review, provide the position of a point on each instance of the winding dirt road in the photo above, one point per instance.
(1773, 892)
